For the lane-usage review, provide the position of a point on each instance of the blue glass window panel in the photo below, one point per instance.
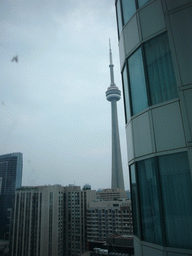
(177, 199)
(129, 9)
(119, 16)
(126, 94)
(142, 2)
(160, 69)
(135, 204)
(149, 201)
(137, 82)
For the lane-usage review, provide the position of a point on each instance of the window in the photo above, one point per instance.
(149, 202)
(151, 78)
(134, 198)
(119, 17)
(177, 199)
(142, 2)
(128, 7)
(161, 76)
(137, 82)
(126, 94)
(125, 9)
(161, 192)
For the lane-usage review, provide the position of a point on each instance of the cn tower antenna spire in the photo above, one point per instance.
(111, 64)
(113, 94)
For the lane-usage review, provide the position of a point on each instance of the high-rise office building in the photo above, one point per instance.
(10, 179)
(155, 58)
(113, 94)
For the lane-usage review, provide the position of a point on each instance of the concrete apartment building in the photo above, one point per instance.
(105, 218)
(50, 220)
(75, 211)
(111, 194)
(156, 66)
(38, 222)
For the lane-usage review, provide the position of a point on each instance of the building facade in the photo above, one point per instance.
(10, 178)
(155, 58)
(75, 212)
(105, 218)
(38, 221)
(50, 220)
(111, 194)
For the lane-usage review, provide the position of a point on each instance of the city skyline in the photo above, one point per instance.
(53, 107)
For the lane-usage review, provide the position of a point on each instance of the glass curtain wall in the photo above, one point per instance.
(161, 76)
(137, 82)
(125, 9)
(163, 197)
(151, 76)
(177, 199)
(119, 17)
(142, 2)
(149, 201)
(134, 199)
(128, 7)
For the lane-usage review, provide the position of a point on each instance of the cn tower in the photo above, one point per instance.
(113, 94)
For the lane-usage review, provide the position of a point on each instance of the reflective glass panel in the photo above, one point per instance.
(126, 95)
(119, 17)
(160, 69)
(149, 200)
(177, 199)
(134, 198)
(137, 82)
(142, 2)
(129, 9)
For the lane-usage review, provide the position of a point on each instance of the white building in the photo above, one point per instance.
(50, 220)
(109, 194)
(105, 218)
(38, 222)
(156, 65)
(75, 208)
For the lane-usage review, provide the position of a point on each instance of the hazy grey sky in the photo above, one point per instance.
(53, 107)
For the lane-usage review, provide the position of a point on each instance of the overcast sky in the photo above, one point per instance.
(53, 107)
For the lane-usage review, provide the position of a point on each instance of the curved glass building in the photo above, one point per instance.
(155, 45)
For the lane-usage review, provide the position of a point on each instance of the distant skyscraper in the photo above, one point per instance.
(113, 94)
(10, 173)
(10, 179)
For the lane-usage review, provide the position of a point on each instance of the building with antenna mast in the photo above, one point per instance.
(113, 94)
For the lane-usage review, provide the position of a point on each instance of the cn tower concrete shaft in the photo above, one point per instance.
(113, 94)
